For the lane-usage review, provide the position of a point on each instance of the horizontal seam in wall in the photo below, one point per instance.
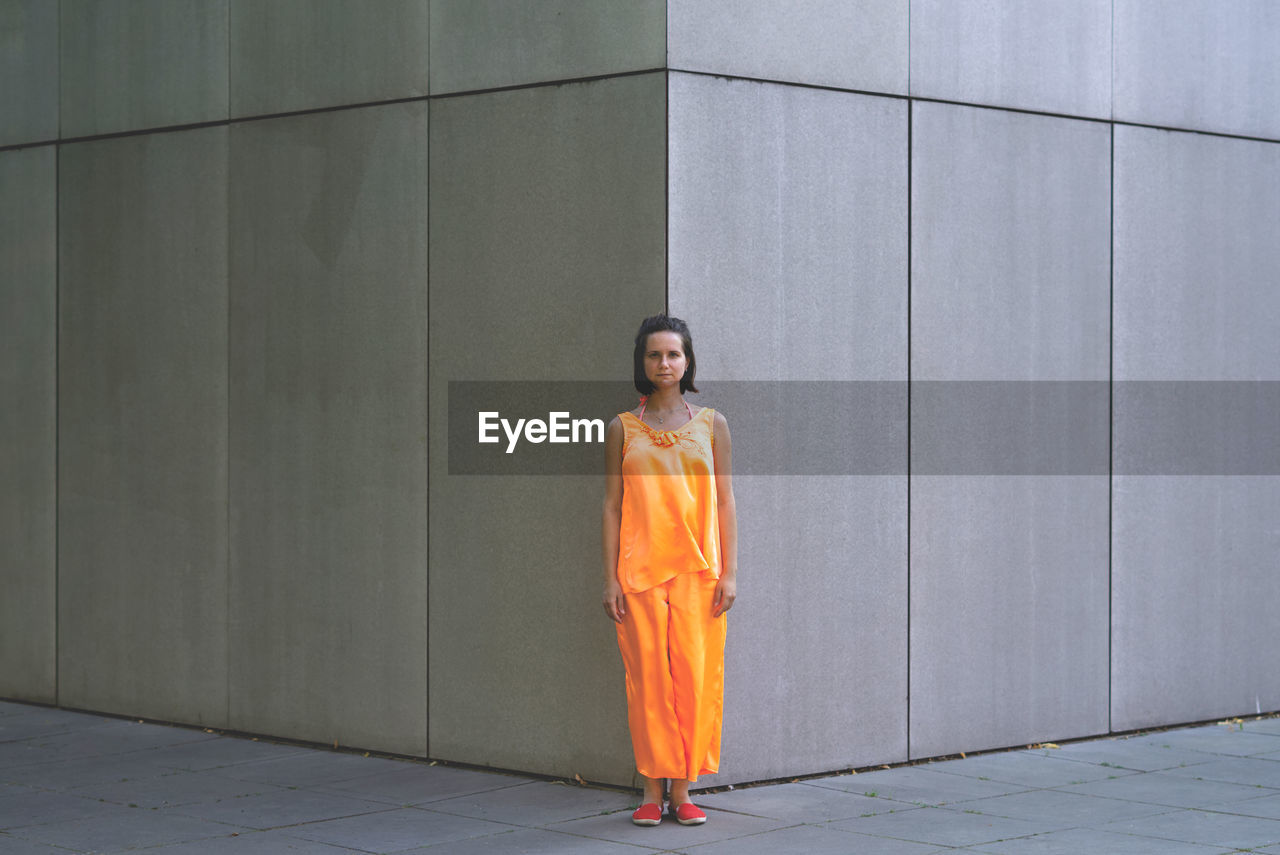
(565, 81)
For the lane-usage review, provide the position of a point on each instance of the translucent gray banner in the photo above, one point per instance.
(861, 427)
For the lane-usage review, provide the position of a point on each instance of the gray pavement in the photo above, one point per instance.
(75, 782)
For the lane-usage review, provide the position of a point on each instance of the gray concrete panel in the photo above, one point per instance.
(301, 54)
(28, 71)
(1008, 610)
(1191, 605)
(142, 426)
(1204, 64)
(787, 256)
(1010, 246)
(788, 229)
(130, 64)
(816, 659)
(1196, 260)
(1194, 592)
(1052, 56)
(547, 236)
(824, 42)
(328, 584)
(1008, 574)
(484, 44)
(28, 423)
(141, 64)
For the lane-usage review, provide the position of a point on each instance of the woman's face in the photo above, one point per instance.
(664, 359)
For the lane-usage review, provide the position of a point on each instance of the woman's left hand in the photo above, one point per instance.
(726, 593)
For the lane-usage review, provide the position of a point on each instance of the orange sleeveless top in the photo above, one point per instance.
(670, 523)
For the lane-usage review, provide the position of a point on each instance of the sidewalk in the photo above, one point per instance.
(73, 782)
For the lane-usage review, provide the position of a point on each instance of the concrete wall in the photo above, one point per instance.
(28, 423)
(228, 350)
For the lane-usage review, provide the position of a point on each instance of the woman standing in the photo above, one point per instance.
(670, 568)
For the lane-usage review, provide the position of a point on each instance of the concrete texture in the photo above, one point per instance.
(793, 202)
(1052, 57)
(1199, 64)
(301, 54)
(1195, 258)
(1194, 589)
(547, 236)
(142, 414)
(132, 64)
(1193, 302)
(28, 423)
(1008, 610)
(1008, 573)
(1010, 246)
(28, 71)
(484, 44)
(816, 552)
(258, 797)
(823, 42)
(328, 263)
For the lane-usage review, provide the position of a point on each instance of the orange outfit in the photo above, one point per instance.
(668, 565)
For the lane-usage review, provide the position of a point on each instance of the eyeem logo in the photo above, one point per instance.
(558, 428)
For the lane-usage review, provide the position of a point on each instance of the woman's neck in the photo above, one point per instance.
(665, 401)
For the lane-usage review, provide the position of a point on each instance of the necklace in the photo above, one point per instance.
(660, 419)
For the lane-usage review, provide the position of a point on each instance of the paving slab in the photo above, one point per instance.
(1079, 840)
(536, 803)
(1266, 725)
(1163, 788)
(811, 840)
(618, 828)
(1055, 809)
(397, 830)
(1215, 739)
(1267, 807)
(70, 774)
(1026, 768)
(1254, 771)
(534, 841)
(918, 785)
(123, 737)
(34, 807)
(797, 803)
(310, 768)
(940, 826)
(169, 790)
(124, 828)
(280, 808)
(251, 843)
(1122, 754)
(16, 846)
(220, 753)
(420, 783)
(1207, 827)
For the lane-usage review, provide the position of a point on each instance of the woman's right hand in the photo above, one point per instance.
(615, 602)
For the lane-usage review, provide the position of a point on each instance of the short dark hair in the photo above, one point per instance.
(664, 323)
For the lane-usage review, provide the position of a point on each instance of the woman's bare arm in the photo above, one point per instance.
(727, 510)
(615, 604)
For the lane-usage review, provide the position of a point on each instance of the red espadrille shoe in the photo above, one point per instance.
(647, 814)
(689, 814)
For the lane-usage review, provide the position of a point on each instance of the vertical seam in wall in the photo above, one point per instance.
(1111, 348)
(666, 191)
(57, 376)
(1111, 311)
(227, 255)
(227, 558)
(910, 129)
(426, 616)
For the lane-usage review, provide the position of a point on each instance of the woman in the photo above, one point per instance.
(670, 568)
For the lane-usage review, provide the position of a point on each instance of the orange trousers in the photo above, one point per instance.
(673, 650)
